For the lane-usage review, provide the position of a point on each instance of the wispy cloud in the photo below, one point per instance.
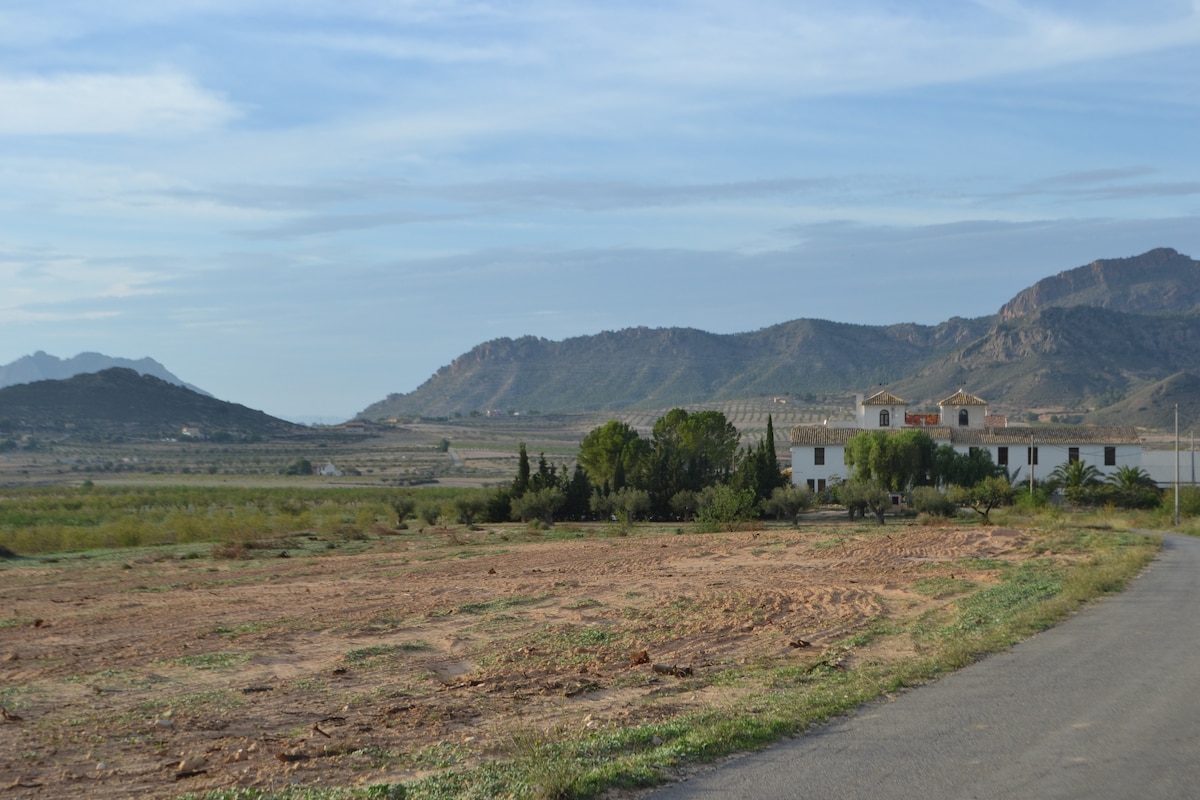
(148, 104)
(826, 48)
(411, 48)
(473, 200)
(51, 281)
(1104, 184)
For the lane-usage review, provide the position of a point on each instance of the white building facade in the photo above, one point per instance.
(819, 453)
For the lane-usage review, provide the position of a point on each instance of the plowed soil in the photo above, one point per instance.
(343, 663)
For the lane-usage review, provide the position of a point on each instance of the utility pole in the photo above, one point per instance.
(1177, 464)
(1032, 461)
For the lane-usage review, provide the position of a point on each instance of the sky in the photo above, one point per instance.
(303, 206)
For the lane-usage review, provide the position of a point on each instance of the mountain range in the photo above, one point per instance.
(1114, 340)
(44, 367)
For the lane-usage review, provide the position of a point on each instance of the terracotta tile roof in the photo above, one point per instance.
(961, 398)
(820, 436)
(1060, 435)
(884, 398)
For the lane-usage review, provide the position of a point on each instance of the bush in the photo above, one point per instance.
(1189, 501)
(928, 500)
(725, 506)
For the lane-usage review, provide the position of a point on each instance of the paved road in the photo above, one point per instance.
(1104, 706)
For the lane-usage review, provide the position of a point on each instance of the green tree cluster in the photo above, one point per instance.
(545, 495)
(687, 455)
(937, 479)
(681, 471)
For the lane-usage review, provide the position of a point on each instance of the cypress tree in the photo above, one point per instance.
(521, 482)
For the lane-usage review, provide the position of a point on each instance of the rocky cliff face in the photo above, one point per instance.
(1161, 281)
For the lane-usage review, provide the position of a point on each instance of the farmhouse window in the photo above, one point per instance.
(885, 419)
(812, 485)
(1110, 456)
(963, 418)
(1072, 455)
(1032, 454)
(819, 456)
(1002, 456)
(820, 484)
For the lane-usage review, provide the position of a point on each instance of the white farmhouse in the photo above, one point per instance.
(819, 453)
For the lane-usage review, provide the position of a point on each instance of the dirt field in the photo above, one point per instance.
(157, 673)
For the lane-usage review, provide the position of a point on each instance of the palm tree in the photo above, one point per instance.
(1074, 475)
(1131, 479)
(1078, 481)
(1134, 488)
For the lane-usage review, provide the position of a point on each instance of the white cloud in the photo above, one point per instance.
(42, 283)
(410, 48)
(156, 103)
(827, 48)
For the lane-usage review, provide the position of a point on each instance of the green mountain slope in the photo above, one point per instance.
(119, 401)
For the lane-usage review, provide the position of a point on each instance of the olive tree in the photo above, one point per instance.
(789, 501)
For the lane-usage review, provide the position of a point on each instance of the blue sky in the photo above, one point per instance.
(303, 206)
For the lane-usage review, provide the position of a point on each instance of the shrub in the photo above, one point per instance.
(725, 506)
(928, 500)
(1189, 501)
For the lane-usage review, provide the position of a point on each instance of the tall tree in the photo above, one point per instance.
(689, 452)
(897, 461)
(578, 492)
(771, 454)
(521, 482)
(952, 468)
(758, 469)
(612, 452)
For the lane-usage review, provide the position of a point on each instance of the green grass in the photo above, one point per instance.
(69, 519)
(211, 661)
(942, 587)
(489, 606)
(365, 655)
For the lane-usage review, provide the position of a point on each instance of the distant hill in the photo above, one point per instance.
(1084, 340)
(42, 366)
(1079, 358)
(658, 367)
(119, 401)
(1154, 403)
(1161, 281)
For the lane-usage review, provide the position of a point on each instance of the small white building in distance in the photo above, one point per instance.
(962, 421)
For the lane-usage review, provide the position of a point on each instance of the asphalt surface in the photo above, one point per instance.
(1104, 706)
